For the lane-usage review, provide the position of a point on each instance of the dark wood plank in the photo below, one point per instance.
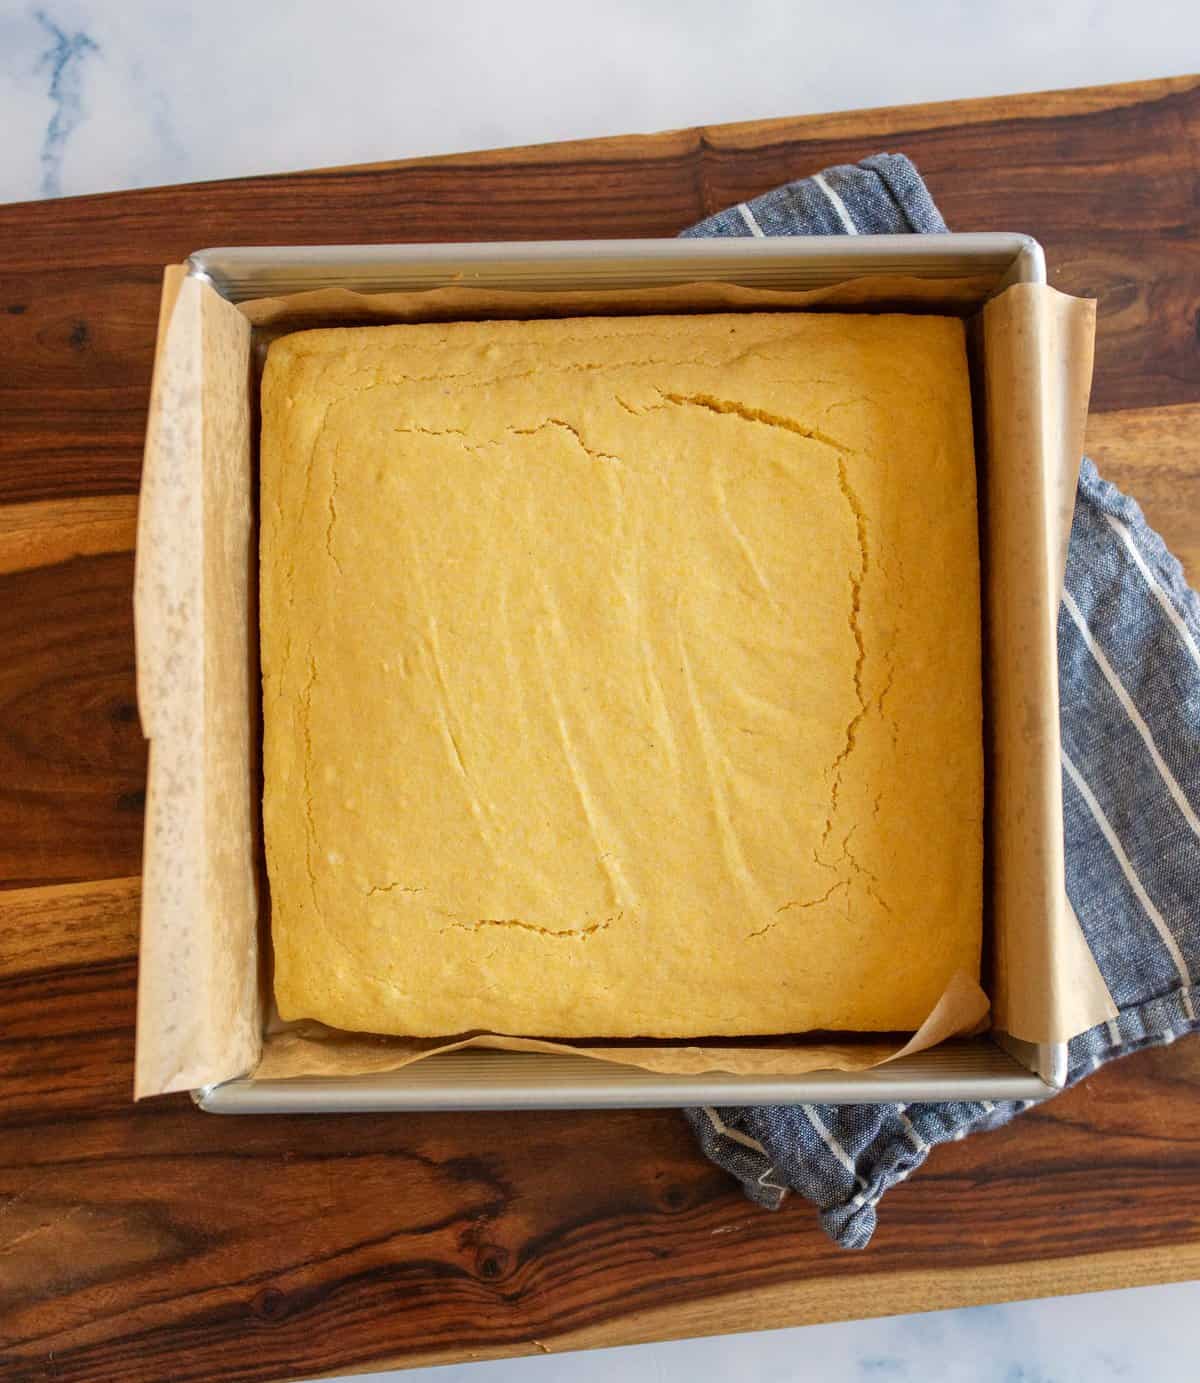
(72, 757)
(1105, 178)
(256, 1248)
(43, 534)
(1153, 454)
(153, 1241)
(44, 929)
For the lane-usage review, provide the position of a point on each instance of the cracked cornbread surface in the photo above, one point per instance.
(621, 676)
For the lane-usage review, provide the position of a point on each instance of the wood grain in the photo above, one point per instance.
(53, 531)
(72, 758)
(1153, 454)
(152, 1241)
(256, 1248)
(1104, 178)
(43, 929)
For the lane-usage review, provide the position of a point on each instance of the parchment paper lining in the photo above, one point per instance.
(201, 1013)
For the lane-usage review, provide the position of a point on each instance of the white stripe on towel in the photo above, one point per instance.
(1133, 713)
(1127, 869)
(746, 1141)
(764, 1180)
(722, 1127)
(748, 216)
(836, 203)
(866, 1197)
(1185, 634)
(913, 1136)
(831, 1142)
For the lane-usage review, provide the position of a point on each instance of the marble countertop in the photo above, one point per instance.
(97, 96)
(105, 94)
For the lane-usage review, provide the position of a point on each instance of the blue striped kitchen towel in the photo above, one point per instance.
(1129, 669)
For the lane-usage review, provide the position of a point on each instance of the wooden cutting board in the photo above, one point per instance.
(140, 1243)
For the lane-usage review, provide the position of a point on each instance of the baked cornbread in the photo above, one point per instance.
(621, 677)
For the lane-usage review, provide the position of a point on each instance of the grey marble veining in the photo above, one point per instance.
(103, 94)
(64, 59)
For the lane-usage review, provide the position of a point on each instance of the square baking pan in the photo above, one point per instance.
(994, 1066)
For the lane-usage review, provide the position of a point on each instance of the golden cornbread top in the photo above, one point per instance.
(621, 675)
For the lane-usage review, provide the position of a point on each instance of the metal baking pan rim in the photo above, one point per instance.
(239, 273)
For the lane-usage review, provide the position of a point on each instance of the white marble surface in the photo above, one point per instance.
(99, 95)
(1133, 1336)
